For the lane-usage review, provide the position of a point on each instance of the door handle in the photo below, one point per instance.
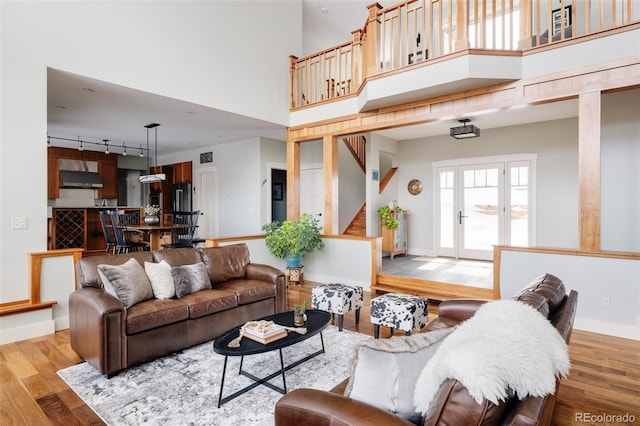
(460, 216)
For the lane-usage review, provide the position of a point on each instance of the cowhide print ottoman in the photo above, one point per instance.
(338, 299)
(397, 310)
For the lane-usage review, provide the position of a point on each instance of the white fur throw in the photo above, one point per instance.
(506, 345)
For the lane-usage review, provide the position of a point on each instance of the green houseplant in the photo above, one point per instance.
(386, 218)
(292, 239)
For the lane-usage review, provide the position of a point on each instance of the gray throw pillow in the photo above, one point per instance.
(128, 282)
(384, 371)
(190, 278)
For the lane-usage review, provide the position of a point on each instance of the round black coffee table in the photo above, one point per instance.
(315, 323)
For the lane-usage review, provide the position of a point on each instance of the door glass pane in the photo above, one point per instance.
(519, 195)
(480, 195)
(446, 209)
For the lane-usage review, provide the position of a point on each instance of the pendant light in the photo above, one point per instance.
(152, 177)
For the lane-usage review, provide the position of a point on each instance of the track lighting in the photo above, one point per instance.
(82, 144)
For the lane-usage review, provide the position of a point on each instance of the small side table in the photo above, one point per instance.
(295, 276)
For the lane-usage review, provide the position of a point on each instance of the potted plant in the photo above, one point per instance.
(292, 239)
(299, 316)
(387, 219)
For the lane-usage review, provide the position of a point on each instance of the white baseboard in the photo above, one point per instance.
(62, 323)
(610, 329)
(27, 332)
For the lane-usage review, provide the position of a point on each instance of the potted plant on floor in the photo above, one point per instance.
(292, 239)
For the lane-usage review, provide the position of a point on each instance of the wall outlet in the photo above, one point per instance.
(19, 222)
(605, 302)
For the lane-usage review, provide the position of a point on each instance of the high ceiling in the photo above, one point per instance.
(92, 110)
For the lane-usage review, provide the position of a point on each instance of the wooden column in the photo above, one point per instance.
(589, 198)
(331, 179)
(293, 178)
(370, 66)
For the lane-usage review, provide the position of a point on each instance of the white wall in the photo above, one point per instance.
(620, 149)
(555, 143)
(375, 200)
(201, 52)
(593, 278)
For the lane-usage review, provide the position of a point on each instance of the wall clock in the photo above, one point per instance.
(414, 187)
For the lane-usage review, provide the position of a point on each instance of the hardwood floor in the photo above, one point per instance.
(604, 378)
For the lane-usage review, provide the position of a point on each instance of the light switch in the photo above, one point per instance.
(19, 222)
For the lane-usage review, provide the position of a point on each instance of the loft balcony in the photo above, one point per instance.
(421, 49)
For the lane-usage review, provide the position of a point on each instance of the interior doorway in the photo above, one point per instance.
(207, 201)
(278, 195)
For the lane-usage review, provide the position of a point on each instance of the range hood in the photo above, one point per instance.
(153, 178)
(79, 174)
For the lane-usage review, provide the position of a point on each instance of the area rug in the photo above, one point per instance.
(183, 388)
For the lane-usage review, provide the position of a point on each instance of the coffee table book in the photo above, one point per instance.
(272, 337)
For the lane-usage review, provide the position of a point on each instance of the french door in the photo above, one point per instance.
(482, 205)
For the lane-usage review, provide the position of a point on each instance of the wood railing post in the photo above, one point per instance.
(356, 60)
(371, 41)
(462, 18)
(525, 25)
(293, 82)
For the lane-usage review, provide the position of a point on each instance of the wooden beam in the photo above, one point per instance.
(589, 171)
(331, 180)
(293, 178)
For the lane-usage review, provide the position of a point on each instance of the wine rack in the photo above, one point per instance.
(69, 228)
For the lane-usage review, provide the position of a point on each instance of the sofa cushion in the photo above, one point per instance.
(550, 287)
(190, 278)
(210, 301)
(128, 282)
(161, 280)
(226, 263)
(178, 256)
(155, 313)
(392, 387)
(87, 267)
(249, 291)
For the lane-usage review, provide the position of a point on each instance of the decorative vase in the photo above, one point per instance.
(298, 318)
(294, 260)
(151, 220)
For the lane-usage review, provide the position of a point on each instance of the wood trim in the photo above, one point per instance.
(35, 271)
(569, 252)
(431, 289)
(386, 179)
(293, 178)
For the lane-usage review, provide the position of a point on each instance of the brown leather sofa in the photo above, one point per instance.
(112, 338)
(452, 405)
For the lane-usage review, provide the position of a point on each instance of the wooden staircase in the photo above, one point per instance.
(358, 225)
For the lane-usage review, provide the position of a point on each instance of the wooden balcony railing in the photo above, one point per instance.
(415, 31)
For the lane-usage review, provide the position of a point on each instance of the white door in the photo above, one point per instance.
(312, 192)
(480, 210)
(481, 205)
(207, 195)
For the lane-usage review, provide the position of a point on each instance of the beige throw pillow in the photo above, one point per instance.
(384, 371)
(161, 280)
(128, 282)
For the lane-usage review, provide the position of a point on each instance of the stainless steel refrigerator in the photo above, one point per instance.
(181, 193)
